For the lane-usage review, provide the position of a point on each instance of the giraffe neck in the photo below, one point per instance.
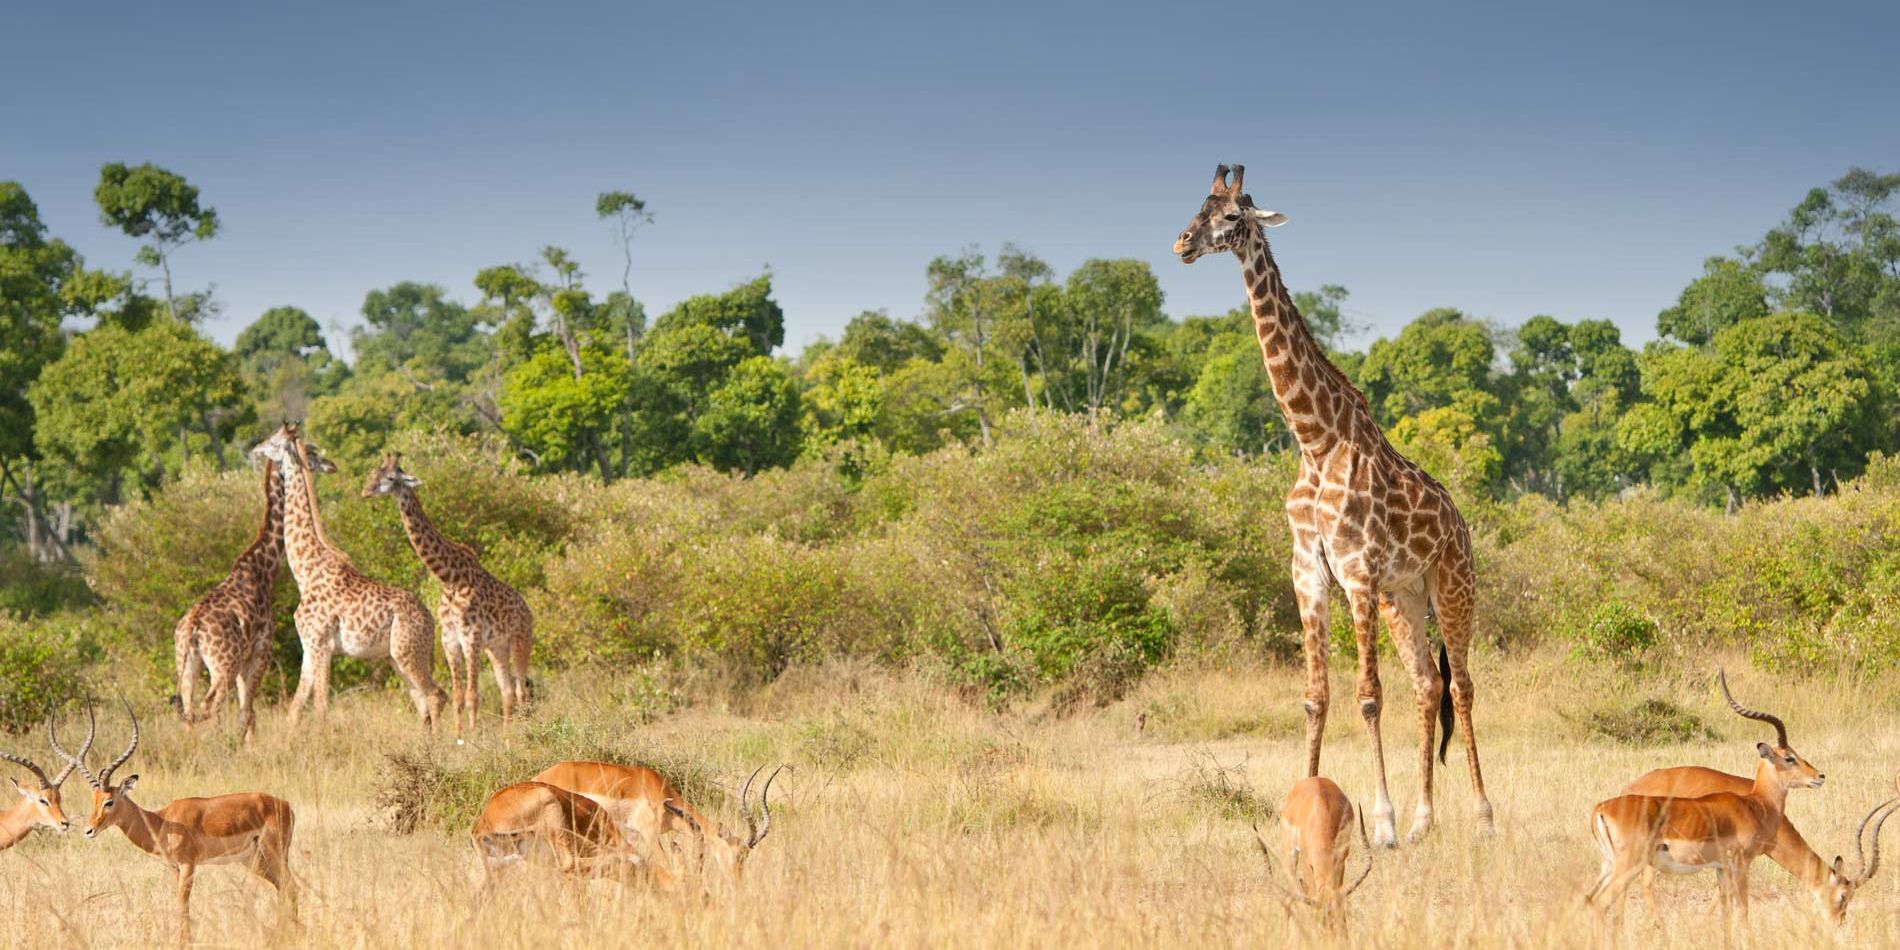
(1322, 407)
(438, 554)
(305, 544)
(267, 549)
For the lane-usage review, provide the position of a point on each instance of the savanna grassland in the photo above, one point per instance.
(910, 817)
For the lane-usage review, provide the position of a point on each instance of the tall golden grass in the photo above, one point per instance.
(912, 818)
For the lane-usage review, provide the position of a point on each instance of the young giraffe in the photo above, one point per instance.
(1362, 516)
(479, 613)
(341, 608)
(229, 630)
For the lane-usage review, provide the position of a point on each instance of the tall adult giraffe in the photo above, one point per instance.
(479, 613)
(1362, 515)
(229, 630)
(339, 608)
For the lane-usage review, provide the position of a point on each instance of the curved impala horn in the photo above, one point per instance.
(683, 816)
(1366, 843)
(76, 761)
(758, 833)
(105, 775)
(1273, 876)
(1867, 868)
(1781, 730)
(30, 766)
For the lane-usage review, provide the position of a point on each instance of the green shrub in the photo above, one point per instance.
(1646, 723)
(43, 663)
(1617, 632)
(29, 588)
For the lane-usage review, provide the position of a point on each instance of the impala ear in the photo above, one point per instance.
(1838, 864)
(126, 785)
(22, 789)
(1767, 751)
(1272, 219)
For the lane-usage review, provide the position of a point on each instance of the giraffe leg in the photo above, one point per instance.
(314, 633)
(519, 652)
(412, 651)
(1312, 587)
(185, 653)
(1404, 613)
(1365, 624)
(1452, 601)
(452, 653)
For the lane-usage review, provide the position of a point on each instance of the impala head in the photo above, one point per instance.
(728, 848)
(1791, 769)
(389, 477)
(1842, 885)
(1331, 905)
(108, 798)
(1227, 216)
(41, 797)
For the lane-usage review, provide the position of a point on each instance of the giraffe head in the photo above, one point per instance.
(287, 444)
(389, 478)
(1219, 225)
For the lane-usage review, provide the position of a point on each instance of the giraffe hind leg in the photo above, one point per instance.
(1452, 602)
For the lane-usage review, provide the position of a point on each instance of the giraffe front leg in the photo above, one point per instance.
(1365, 624)
(312, 633)
(1312, 587)
(452, 655)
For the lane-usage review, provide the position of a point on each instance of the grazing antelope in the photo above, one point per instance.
(528, 820)
(38, 807)
(1725, 831)
(647, 806)
(1317, 819)
(1831, 885)
(249, 828)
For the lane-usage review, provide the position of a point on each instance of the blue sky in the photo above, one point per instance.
(1505, 159)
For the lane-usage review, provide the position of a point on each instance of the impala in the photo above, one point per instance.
(39, 806)
(1832, 887)
(1725, 831)
(1317, 820)
(249, 828)
(646, 806)
(529, 820)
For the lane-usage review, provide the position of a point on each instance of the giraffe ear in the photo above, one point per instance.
(1272, 219)
(409, 480)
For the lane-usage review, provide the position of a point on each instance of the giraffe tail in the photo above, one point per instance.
(1444, 702)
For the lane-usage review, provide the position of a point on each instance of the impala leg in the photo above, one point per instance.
(185, 874)
(1365, 623)
(1312, 587)
(1404, 614)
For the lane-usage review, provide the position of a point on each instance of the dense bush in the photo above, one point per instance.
(1072, 553)
(42, 663)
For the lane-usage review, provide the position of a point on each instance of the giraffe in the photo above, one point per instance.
(230, 629)
(1362, 516)
(479, 613)
(339, 607)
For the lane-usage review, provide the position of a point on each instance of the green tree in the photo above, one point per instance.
(287, 362)
(750, 420)
(562, 418)
(1441, 359)
(1728, 292)
(417, 329)
(627, 213)
(1110, 303)
(158, 206)
(122, 403)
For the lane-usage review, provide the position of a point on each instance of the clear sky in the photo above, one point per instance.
(1508, 159)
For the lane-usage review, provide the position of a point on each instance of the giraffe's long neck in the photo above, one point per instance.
(443, 559)
(1322, 407)
(305, 544)
(267, 549)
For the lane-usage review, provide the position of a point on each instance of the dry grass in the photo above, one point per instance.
(913, 819)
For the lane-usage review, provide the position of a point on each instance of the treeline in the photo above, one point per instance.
(1774, 371)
